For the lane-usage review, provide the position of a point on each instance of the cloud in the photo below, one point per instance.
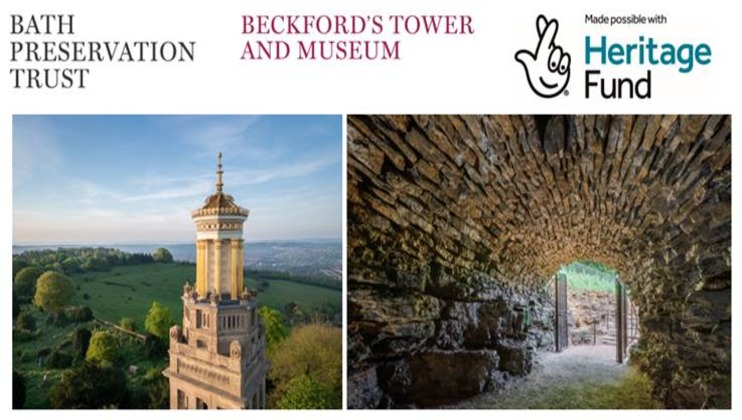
(211, 135)
(89, 192)
(98, 224)
(194, 187)
(168, 187)
(293, 170)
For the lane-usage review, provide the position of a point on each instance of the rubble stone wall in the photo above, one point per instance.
(455, 224)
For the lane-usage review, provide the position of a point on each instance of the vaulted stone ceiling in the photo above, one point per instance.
(519, 196)
(435, 200)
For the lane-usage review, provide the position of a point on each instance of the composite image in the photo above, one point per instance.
(536, 261)
(177, 262)
(493, 262)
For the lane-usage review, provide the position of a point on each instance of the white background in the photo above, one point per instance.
(437, 74)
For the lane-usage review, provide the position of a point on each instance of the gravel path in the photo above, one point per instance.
(578, 365)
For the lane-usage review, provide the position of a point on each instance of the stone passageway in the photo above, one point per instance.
(578, 377)
(457, 223)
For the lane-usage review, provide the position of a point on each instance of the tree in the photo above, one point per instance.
(103, 349)
(26, 321)
(80, 313)
(58, 318)
(314, 350)
(162, 255)
(16, 306)
(57, 266)
(18, 265)
(53, 291)
(305, 393)
(158, 321)
(90, 386)
(58, 359)
(19, 390)
(95, 264)
(25, 281)
(81, 342)
(294, 313)
(71, 266)
(154, 347)
(275, 330)
(158, 389)
(128, 324)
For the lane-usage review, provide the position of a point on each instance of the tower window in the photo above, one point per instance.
(182, 400)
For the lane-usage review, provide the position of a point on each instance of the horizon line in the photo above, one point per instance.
(130, 243)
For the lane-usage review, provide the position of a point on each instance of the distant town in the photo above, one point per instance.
(300, 257)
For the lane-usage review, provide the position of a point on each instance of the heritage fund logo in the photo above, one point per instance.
(620, 57)
(548, 67)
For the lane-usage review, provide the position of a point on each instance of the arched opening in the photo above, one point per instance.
(595, 326)
(593, 307)
(457, 223)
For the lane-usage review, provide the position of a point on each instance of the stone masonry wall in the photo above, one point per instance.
(456, 222)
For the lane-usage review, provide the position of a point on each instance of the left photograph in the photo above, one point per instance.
(177, 261)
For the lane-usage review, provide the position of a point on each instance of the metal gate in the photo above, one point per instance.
(562, 335)
(621, 321)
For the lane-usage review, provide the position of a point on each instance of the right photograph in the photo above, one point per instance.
(539, 261)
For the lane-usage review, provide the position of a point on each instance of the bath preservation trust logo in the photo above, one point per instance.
(548, 66)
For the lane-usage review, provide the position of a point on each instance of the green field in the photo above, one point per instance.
(128, 291)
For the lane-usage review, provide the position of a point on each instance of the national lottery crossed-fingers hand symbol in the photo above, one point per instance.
(548, 67)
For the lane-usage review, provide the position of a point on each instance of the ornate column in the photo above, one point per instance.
(201, 264)
(218, 265)
(198, 266)
(240, 267)
(207, 253)
(234, 288)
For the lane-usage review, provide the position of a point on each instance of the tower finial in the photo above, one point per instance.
(219, 173)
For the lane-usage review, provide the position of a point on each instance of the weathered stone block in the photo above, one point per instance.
(363, 389)
(435, 378)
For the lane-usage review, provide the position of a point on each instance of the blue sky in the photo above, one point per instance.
(114, 179)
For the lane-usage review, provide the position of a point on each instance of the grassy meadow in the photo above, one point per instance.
(128, 291)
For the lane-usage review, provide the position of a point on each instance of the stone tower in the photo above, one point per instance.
(217, 357)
